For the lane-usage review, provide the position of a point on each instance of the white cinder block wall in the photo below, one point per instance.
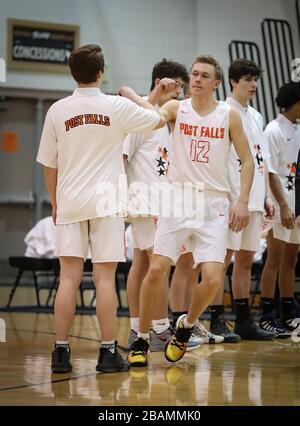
(219, 22)
(134, 34)
(137, 33)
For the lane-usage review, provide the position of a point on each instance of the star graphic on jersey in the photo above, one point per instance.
(289, 187)
(160, 162)
(165, 154)
(161, 172)
(294, 167)
(257, 148)
(290, 178)
(259, 159)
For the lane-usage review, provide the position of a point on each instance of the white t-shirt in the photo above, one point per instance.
(283, 143)
(147, 165)
(199, 147)
(253, 128)
(82, 137)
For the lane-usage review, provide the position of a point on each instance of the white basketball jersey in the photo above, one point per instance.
(253, 128)
(199, 147)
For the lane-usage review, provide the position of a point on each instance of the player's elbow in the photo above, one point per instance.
(162, 122)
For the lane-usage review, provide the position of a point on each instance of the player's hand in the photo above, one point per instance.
(297, 221)
(54, 215)
(287, 217)
(269, 208)
(165, 86)
(239, 216)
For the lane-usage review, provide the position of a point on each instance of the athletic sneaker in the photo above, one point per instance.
(291, 324)
(177, 345)
(219, 327)
(194, 343)
(268, 322)
(131, 338)
(206, 336)
(139, 350)
(159, 340)
(248, 330)
(109, 362)
(61, 360)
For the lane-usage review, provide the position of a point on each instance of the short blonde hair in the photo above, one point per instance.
(211, 61)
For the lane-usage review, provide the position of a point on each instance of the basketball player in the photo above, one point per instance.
(200, 143)
(243, 76)
(147, 158)
(81, 150)
(283, 143)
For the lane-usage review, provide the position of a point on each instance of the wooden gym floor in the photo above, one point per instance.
(247, 373)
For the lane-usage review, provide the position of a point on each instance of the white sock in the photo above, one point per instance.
(161, 325)
(62, 342)
(187, 324)
(108, 344)
(134, 324)
(144, 335)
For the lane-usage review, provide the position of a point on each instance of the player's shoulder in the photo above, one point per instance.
(61, 104)
(273, 131)
(256, 114)
(273, 126)
(224, 106)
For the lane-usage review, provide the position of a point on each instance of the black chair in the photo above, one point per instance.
(45, 267)
(39, 268)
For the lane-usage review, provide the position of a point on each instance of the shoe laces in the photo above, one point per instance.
(61, 352)
(183, 334)
(270, 324)
(200, 330)
(293, 322)
(177, 343)
(139, 346)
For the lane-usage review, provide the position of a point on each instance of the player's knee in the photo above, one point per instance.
(213, 284)
(157, 272)
(273, 262)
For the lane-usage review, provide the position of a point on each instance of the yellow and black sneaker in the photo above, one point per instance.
(176, 347)
(138, 353)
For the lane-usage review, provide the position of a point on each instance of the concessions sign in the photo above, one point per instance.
(40, 46)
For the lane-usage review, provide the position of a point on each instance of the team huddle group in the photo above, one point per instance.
(244, 175)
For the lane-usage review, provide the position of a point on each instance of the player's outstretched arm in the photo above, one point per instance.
(129, 93)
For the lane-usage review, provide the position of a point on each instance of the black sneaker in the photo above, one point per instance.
(219, 326)
(109, 362)
(61, 360)
(268, 322)
(248, 330)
